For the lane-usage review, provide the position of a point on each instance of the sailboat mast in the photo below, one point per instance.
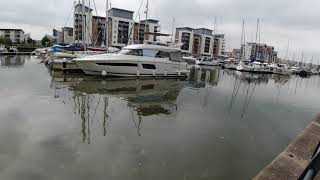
(257, 36)
(83, 24)
(214, 37)
(74, 22)
(243, 43)
(146, 22)
(107, 25)
(173, 25)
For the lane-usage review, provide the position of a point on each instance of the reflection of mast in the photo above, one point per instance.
(105, 116)
(237, 85)
(137, 125)
(247, 101)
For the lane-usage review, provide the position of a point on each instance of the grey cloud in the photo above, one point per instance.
(290, 18)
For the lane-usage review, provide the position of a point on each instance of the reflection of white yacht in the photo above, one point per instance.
(137, 60)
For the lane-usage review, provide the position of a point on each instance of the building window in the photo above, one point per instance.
(207, 45)
(185, 39)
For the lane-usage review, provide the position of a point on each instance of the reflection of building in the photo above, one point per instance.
(202, 77)
(15, 35)
(12, 61)
(259, 52)
(200, 42)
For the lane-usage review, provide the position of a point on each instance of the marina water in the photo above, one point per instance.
(217, 124)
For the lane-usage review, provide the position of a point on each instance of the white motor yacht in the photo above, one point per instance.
(3, 49)
(190, 59)
(230, 64)
(137, 60)
(295, 70)
(245, 66)
(207, 62)
(282, 69)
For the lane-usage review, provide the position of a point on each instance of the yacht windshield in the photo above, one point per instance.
(124, 51)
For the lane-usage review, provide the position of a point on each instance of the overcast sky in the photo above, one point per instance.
(295, 21)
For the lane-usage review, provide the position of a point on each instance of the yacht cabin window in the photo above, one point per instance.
(176, 56)
(146, 53)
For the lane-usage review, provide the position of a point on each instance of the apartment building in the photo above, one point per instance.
(98, 30)
(151, 26)
(200, 42)
(15, 35)
(79, 26)
(64, 36)
(122, 24)
(219, 45)
(259, 52)
(185, 36)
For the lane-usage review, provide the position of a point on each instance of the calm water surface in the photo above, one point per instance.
(219, 124)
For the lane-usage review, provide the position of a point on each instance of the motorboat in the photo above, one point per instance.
(3, 49)
(295, 70)
(245, 66)
(190, 59)
(314, 72)
(230, 64)
(62, 61)
(282, 69)
(137, 60)
(207, 62)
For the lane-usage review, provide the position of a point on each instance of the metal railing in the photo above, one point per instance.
(313, 168)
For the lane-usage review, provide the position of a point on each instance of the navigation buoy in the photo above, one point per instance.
(104, 73)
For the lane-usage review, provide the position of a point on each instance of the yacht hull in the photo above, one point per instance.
(131, 68)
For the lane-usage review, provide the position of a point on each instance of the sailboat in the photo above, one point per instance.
(243, 64)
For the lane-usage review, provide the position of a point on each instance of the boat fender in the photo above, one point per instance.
(179, 73)
(154, 73)
(165, 73)
(104, 73)
(138, 73)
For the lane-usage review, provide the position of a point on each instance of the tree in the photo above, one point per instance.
(46, 42)
(29, 40)
(6, 41)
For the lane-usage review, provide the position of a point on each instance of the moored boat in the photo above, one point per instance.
(137, 60)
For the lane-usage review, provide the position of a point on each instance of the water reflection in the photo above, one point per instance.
(143, 98)
(201, 77)
(12, 61)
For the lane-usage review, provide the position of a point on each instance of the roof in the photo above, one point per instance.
(118, 9)
(98, 17)
(157, 34)
(184, 28)
(8, 29)
(79, 4)
(153, 47)
(150, 21)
